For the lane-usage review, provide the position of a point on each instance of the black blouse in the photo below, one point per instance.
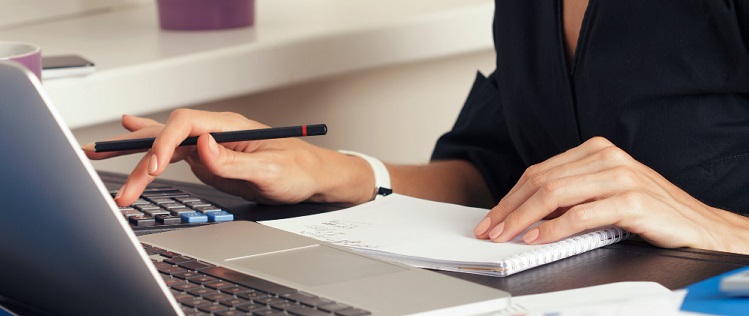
(665, 80)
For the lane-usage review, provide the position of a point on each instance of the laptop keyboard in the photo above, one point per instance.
(169, 206)
(205, 289)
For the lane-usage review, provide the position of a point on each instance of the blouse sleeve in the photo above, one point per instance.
(480, 136)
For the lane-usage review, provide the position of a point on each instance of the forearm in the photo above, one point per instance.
(736, 237)
(453, 181)
(349, 179)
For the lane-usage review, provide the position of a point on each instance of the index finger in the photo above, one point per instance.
(183, 123)
(516, 196)
(585, 149)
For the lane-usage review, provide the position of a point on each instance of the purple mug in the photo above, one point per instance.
(26, 54)
(205, 14)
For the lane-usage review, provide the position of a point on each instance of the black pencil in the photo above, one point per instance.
(221, 137)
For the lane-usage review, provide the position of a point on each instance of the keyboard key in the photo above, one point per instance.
(198, 203)
(185, 286)
(161, 201)
(192, 312)
(170, 205)
(353, 312)
(236, 290)
(231, 313)
(195, 265)
(159, 265)
(248, 281)
(202, 279)
(157, 249)
(186, 275)
(168, 219)
(194, 217)
(220, 216)
(213, 308)
(251, 307)
(162, 193)
(180, 210)
(298, 296)
(234, 302)
(177, 259)
(155, 212)
(186, 199)
(196, 302)
(267, 312)
(140, 220)
(307, 311)
(131, 212)
(284, 304)
(183, 296)
(317, 301)
(144, 207)
(170, 282)
(218, 297)
(218, 285)
(207, 209)
(140, 202)
(170, 269)
(273, 313)
(333, 307)
(267, 300)
(201, 291)
(251, 295)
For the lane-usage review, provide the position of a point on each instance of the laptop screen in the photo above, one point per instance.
(64, 248)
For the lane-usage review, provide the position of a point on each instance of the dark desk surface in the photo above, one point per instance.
(625, 261)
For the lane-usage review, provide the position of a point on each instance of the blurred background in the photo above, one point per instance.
(388, 77)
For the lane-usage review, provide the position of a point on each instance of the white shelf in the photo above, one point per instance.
(142, 69)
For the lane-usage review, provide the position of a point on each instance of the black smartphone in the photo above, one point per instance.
(65, 66)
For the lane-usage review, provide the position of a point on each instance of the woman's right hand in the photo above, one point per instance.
(277, 171)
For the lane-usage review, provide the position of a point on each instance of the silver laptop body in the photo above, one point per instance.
(66, 248)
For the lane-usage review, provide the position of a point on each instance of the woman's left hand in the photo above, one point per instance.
(598, 184)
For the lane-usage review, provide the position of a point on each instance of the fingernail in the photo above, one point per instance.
(496, 231)
(212, 146)
(119, 192)
(153, 164)
(531, 236)
(482, 227)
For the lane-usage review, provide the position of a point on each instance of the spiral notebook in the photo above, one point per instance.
(436, 235)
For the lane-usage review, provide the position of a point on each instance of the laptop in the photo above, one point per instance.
(67, 249)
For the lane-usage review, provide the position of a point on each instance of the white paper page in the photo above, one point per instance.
(621, 298)
(406, 226)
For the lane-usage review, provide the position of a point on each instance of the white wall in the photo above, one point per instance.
(394, 113)
(27, 12)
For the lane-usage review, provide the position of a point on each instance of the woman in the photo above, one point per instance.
(625, 113)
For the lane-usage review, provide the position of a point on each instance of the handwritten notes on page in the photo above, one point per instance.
(434, 235)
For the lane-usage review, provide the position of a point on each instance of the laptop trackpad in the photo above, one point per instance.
(315, 265)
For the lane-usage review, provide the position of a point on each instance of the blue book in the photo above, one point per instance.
(705, 297)
(4, 312)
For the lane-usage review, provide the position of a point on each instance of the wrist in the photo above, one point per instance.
(381, 174)
(345, 179)
(736, 239)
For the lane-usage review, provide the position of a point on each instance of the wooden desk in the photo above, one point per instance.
(625, 261)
